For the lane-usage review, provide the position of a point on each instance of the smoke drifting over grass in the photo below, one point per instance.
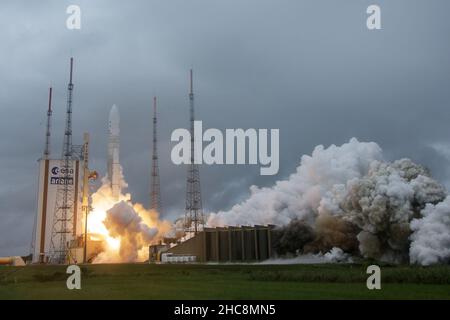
(350, 198)
(431, 237)
(383, 203)
(292, 237)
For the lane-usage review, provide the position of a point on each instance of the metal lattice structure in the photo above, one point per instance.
(194, 220)
(49, 123)
(63, 219)
(85, 205)
(155, 192)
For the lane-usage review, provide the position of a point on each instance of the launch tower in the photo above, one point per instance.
(155, 192)
(64, 219)
(194, 220)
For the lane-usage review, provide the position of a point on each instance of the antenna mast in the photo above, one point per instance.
(63, 224)
(47, 132)
(155, 193)
(193, 219)
(85, 206)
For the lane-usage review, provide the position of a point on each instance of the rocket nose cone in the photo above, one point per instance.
(114, 121)
(114, 114)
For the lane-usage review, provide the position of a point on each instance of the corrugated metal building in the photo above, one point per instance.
(230, 244)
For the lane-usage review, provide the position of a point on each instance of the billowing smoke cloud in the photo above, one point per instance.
(127, 228)
(333, 232)
(352, 199)
(338, 255)
(431, 237)
(292, 237)
(383, 203)
(300, 196)
(124, 222)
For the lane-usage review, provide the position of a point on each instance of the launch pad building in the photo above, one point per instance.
(51, 175)
(227, 244)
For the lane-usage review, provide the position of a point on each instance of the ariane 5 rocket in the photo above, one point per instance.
(114, 174)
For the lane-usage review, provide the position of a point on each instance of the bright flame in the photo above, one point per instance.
(102, 201)
(113, 243)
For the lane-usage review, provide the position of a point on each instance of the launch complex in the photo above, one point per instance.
(63, 195)
(62, 229)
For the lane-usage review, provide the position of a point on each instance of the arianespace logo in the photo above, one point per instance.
(64, 180)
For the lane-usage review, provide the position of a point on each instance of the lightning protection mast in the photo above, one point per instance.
(194, 219)
(155, 192)
(63, 219)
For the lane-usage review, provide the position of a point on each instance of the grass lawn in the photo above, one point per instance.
(143, 281)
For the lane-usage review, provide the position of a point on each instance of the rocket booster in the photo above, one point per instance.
(113, 151)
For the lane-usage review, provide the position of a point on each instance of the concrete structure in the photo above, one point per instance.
(230, 244)
(50, 177)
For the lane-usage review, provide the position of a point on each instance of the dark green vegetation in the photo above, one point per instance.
(143, 281)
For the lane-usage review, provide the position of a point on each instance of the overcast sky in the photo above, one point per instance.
(310, 68)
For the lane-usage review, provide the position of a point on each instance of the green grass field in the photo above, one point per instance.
(143, 281)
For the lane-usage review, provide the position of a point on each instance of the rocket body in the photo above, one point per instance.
(114, 174)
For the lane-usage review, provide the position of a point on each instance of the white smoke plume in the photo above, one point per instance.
(301, 259)
(127, 228)
(124, 222)
(431, 238)
(300, 196)
(383, 203)
(349, 195)
(335, 255)
(338, 255)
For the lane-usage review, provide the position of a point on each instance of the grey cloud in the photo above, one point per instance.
(310, 68)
